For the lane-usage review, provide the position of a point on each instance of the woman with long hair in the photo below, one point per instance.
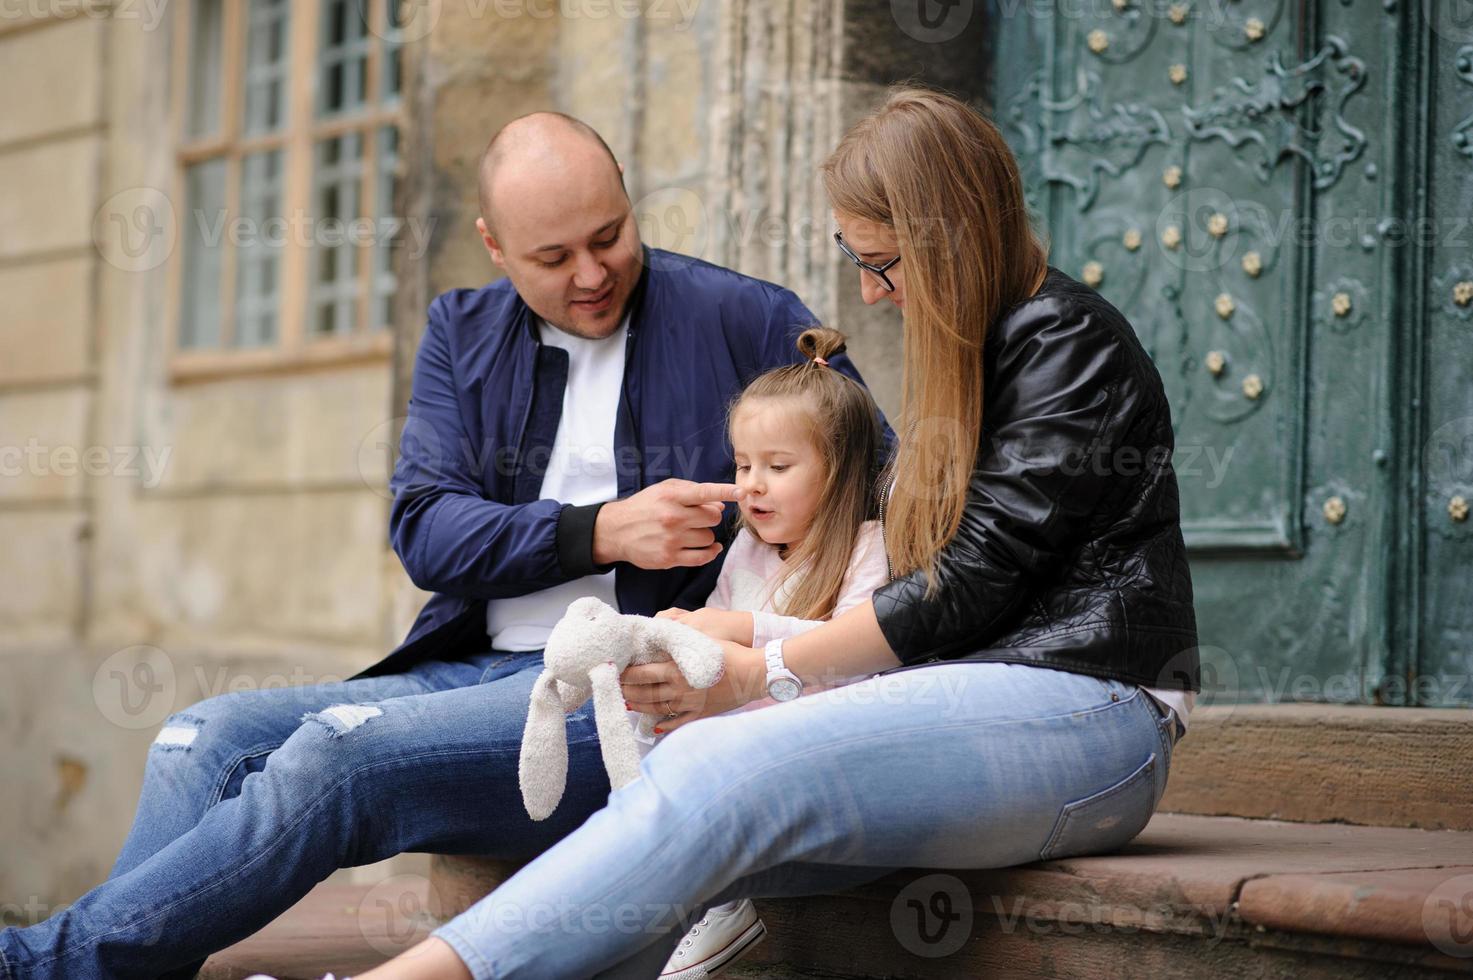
(1023, 676)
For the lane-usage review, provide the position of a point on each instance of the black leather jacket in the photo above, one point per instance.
(1070, 552)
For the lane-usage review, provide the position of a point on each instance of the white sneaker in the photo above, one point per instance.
(717, 941)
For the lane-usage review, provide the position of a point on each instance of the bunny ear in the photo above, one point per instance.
(697, 655)
(615, 736)
(543, 768)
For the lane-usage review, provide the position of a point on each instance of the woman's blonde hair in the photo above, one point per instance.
(843, 423)
(939, 173)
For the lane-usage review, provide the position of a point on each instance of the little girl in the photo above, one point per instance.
(807, 442)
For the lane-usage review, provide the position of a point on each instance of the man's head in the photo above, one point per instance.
(556, 219)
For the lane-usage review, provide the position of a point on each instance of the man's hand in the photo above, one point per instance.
(667, 525)
(718, 624)
(660, 689)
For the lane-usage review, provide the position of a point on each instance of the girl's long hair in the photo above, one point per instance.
(939, 173)
(843, 423)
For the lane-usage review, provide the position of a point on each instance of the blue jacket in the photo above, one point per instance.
(467, 521)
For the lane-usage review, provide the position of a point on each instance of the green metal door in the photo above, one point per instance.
(1248, 182)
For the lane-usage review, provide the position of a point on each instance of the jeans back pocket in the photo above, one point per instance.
(1106, 820)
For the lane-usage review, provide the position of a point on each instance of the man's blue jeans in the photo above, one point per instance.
(250, 799)
(964, 765)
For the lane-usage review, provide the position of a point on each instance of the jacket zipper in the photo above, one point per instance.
(889, 569)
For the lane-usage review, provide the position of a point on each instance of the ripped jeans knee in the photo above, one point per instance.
(179, 732)
(340, 719)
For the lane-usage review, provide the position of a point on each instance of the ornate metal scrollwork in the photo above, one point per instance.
(1262, 113)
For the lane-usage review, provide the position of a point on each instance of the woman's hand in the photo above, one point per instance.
(718, 624)
(660, 689)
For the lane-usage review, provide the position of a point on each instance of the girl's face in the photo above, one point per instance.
(779, 467)
(875, 244)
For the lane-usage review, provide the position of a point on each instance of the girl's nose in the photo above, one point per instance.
(869, 290)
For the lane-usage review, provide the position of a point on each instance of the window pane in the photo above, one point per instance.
(208, 25)
(337, 175)
(391, 63)
(258, 252)
(389, 226)
(266, 66)
(342, 57)
(203, 242)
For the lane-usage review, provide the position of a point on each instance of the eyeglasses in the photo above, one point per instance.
(877, 270)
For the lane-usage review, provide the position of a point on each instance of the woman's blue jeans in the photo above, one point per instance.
(961, 765)
(250, 799)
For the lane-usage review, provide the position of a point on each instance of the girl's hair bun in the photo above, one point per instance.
(822, 342)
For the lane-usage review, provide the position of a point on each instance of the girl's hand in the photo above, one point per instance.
(659, 689)
(718, 624)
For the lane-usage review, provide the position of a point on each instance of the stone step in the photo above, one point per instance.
(1191, 896)
(344, 929)
(1374, 766)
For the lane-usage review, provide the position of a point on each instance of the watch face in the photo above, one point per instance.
(783, 689)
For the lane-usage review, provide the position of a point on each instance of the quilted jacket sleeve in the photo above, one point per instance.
(1061, 396)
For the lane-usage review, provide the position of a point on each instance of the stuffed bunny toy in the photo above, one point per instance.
(586, 652)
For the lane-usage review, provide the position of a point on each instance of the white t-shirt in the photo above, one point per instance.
(580, 471)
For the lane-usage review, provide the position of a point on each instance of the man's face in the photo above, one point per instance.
(568, 243)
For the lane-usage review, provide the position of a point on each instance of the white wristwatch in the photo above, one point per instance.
(782, 683)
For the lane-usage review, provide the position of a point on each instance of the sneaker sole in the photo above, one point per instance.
(733, 951)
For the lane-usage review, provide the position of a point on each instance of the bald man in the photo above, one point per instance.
(566, 437)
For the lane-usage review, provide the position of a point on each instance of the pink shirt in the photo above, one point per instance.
(751, 570)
